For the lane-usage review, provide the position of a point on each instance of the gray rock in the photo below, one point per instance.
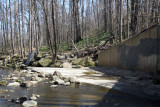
(45, 62)
(20, 100)
(14, 84)
(67, 65)
(14, 78)
(28, 84)
(54, 78)
(35, 78)
(29, 103)
(72, 79)
(33, 98)
(72, 56)
(67, 84)
(41, 74)
(57, 73)
(60, 57)
(53, 86)
(59, 82)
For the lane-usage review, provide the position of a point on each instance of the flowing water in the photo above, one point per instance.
(74, 95)
(84, 95)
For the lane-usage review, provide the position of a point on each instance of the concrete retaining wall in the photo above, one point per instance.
(141, 52)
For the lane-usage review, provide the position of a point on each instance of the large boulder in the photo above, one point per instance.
(79, 61)
(29, 103)
(44, 62)
(84, 62)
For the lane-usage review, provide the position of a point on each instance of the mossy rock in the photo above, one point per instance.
(39, 56)
(78, 61)
(11, 65)
(48, 57)
(89, 62)
(84, 62)
(3, 83)
(1, 63)
(57, 64)
(44, 62)
(35, 64)
(19, 81)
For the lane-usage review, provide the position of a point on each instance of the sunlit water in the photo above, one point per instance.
(74, 95)
(84, 95)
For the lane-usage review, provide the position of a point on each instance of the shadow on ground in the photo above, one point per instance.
(126, 95)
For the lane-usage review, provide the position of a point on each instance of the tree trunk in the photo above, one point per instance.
(12, 42)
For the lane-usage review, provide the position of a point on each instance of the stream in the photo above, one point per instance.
(74, 95)
(84, 95)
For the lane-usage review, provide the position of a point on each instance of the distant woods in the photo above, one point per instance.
(27, 25)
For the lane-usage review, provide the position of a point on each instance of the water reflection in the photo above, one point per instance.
(74, 95)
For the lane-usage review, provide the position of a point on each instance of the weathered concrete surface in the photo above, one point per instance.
(141, 52)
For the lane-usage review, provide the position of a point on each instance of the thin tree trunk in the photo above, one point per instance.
(110, 18)
(120, 23)
(55, 36)
(12, 42)
(127, 18)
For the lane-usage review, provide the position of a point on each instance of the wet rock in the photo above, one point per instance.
(53, 86)
(72, 55)
(59, 82)
(66, 84)
(21, 99)
(65, 79)
(23, 79)
(77, 82)
(1, 63)
(57, 73)
(35, 78)
(67, 65)
(3, 91)
(14, 84)
(33, 98)
(41, 74)
(3, 83)
(54, 78)
(28, 84)
(44, 62)
(29, 103)
(49, 75)
(14, 78)
(72, 79)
